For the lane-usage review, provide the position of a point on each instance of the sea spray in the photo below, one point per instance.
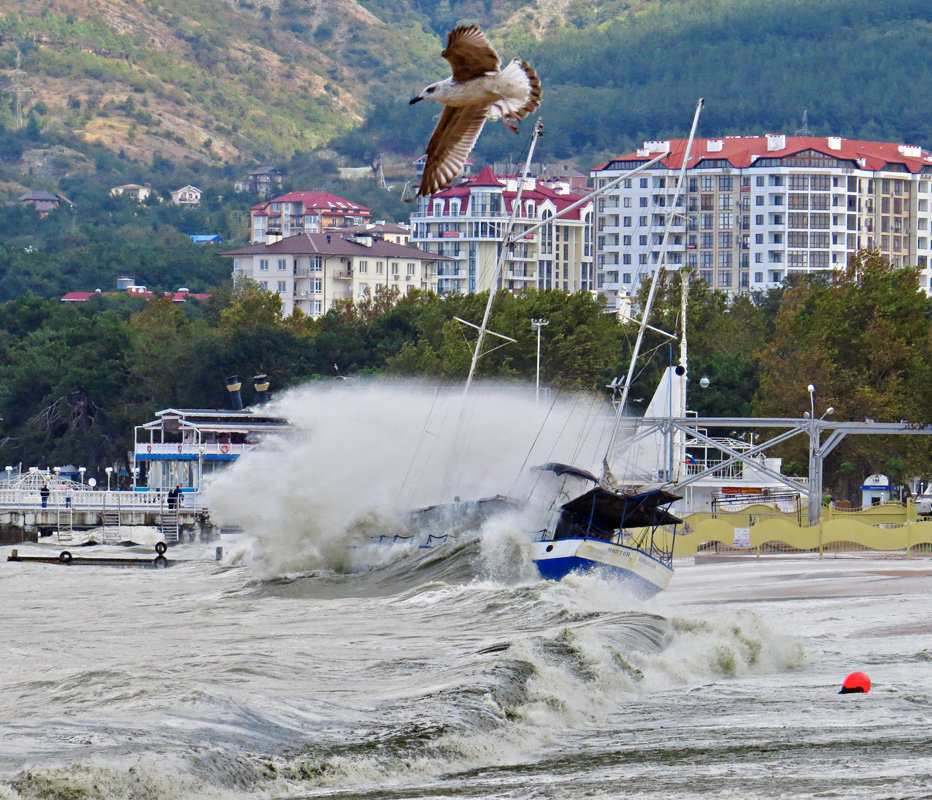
(364, 452)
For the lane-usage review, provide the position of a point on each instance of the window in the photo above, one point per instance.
(724, 260)
(725, 201)
(643, 183)
(642, 202)
(626, 222)
(264, 285)
(626, 258)
(363, 266)
(394, 265)
(379, 269)
(411, 267)
(706, 240)
(263, 264)
(798, 239)
(707, 183)
(724, 279)
(317, 285)
(724, 221)
(706, 221)
(282, 264)
(626, 240)
(282, 287)
(724, 239)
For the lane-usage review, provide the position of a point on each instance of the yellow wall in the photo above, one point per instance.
(900, 529)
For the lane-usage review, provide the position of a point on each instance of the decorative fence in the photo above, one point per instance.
(760, 530)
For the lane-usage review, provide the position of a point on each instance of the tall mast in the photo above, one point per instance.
(625, 390)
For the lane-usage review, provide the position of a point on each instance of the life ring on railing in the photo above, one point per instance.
(64, 557)
(148, 448)
(224, 448)
(179, 448)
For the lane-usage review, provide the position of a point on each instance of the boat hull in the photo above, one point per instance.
(645, 575)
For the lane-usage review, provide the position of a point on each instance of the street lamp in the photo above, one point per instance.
(108, 470)
(811, 389)
(9, 474)
(536, 325)
(81, 471)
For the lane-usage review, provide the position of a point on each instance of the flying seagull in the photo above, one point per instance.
(478, 90)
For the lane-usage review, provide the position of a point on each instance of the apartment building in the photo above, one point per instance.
(757, 209)
(312, 271)
(302, 212)
(465, 224)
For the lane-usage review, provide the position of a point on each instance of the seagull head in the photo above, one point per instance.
(432, 92)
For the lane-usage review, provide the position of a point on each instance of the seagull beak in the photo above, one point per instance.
(415, 100)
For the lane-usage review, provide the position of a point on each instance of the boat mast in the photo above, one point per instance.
(623, 402)
(507, 241)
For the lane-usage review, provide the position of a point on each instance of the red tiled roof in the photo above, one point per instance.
(538, 194)
(316, 201)
(744, 151)
(332, 244)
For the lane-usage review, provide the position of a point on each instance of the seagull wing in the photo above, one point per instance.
(469, 53)
(452, 141)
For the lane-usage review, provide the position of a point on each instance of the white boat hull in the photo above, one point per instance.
(557, 559)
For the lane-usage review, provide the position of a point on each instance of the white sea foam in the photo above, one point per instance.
(365, 451)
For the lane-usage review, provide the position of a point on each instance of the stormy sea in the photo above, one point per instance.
(312, 661)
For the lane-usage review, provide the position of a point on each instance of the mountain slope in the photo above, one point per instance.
(206, 79)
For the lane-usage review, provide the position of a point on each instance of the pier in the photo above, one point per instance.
(68, 509)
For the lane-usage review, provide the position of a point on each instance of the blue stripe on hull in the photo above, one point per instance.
(555, 569)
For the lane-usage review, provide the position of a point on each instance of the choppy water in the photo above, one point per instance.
(451, 672)
(443, 675)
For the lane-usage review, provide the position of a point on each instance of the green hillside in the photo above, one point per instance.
(214, 82)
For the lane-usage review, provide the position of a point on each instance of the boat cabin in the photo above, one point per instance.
(614, 517)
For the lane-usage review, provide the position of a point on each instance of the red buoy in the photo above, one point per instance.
(856, 682)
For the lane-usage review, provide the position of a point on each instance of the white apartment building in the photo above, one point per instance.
(465, 223)
(757, 209)
(312, 271)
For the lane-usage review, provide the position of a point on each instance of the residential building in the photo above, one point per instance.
(758, 209)
(43, 201)
(466, 223)
(260, 181)
(302, 212)
(133, 190)
(187, 196)
(312, 271)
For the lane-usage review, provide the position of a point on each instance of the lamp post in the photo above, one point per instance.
(536, 325)
(109, 471)
(9, 474)
(815, 459)
(81, 471)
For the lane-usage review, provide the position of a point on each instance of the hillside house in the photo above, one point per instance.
(139, 193)
(187, 196)
(43, 201)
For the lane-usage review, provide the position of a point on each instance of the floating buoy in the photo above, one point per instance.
(856, 682)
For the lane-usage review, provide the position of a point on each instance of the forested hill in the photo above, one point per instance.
(221, 81)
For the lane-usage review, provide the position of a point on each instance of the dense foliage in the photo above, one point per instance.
(74, 380)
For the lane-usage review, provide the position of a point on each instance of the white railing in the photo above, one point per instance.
(190, 448)
(147, 500)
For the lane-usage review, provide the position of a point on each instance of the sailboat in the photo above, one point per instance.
(620, 532)
(616, 532)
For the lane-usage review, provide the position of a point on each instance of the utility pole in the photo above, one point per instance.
(19, 89)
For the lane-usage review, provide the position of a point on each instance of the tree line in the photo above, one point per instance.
(75, 379)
